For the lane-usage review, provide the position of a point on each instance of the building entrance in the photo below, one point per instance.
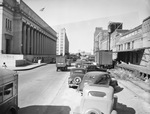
(8, 41)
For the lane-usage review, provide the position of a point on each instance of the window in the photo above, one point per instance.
(128, 45)
(8, 91)
(132, 44)
(8, 24)
(97, 94)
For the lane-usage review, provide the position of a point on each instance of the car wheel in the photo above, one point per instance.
(92, 111)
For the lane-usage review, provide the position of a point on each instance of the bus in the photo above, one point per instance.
(8, 91)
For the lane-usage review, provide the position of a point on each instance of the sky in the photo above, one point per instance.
(81, 17)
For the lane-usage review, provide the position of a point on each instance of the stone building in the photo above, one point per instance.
(130, 46)
(134, 46)
(24, 36)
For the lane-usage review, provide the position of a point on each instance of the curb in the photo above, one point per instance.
(29, 68)
(146, 90)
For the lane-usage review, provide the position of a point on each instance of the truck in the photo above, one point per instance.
(103, 59)
(61, 63)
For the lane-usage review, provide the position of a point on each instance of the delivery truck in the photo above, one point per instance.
(61, 63)
(103, 58)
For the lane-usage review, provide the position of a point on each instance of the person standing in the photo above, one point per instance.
(4, 65)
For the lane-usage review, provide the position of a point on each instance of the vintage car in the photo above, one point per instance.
(76, 76)
(97, 77)
(98, 99)
(94, 68)
(80, 63)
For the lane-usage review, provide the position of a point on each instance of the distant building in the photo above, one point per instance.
(100, 39)
(62, 43)
(96, 39)
(112, 27)
(24, 36)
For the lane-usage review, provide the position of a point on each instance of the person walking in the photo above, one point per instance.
(4, 65)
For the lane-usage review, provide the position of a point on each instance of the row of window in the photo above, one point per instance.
(132, 33)
(8, 24)
(126, 46)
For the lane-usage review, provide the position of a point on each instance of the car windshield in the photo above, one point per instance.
(78, 71)
(91, 67)
(103, 79)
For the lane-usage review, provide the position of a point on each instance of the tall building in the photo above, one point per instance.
(62, 43)
(96, 39)
(24, 36)
(100, 39)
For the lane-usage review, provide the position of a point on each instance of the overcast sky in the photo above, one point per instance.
(80, 17)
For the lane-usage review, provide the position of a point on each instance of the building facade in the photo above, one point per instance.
(134, 46)
(24, 36)
(130, 46)
(62, 43)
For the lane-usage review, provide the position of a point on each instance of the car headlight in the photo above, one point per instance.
(77, 79)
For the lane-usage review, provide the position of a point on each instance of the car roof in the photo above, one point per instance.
(96, 73)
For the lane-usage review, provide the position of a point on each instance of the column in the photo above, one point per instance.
(32, 41)
(37, 46)
(35, 42)
(28, 40)
(40, 43)
(44, 45)
(24, 39)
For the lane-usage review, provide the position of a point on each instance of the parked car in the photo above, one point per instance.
(94, 68)
(76, 76)
(97, 77)
(98, 99)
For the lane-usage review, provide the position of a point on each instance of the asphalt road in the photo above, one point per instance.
(45, 91)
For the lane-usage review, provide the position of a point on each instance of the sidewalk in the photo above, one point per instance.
(139, 88)
(141, 93)
(28, 67)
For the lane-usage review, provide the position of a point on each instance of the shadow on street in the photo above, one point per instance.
(123, 109)
(45, 109)
(118, 89)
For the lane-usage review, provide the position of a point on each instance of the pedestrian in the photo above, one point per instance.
(4, 65)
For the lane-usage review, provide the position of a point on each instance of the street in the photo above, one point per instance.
(43, 91)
